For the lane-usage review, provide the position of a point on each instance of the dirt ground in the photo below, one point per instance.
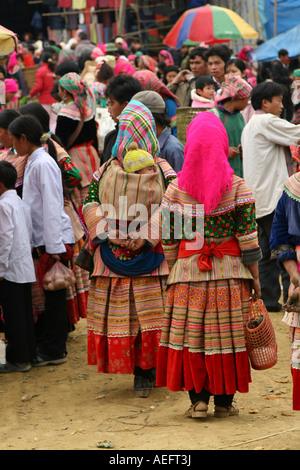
(72, 407)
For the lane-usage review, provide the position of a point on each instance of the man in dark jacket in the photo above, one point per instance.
(171, 149)
(280, 74)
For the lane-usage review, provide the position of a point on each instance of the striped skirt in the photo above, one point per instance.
(203, 343)
(124, 320)
(294, 335)
(292, 319)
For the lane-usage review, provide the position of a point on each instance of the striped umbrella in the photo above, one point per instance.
(209, 24)
(8, 41)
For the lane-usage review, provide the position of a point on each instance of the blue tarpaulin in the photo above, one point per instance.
(281, 16)
(268, 51)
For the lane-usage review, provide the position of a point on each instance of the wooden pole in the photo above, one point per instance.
(275, 18)
(121, 18)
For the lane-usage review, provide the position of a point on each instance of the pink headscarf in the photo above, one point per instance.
(123, 66)
(206, 174)
(10, 85)
(13, 64)
(168, 58)
(150, 81)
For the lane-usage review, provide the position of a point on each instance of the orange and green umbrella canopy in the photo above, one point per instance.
(209, 24)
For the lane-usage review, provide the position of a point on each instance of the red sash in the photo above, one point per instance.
(230, 247)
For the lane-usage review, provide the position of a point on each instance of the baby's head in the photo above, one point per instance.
(138, 161)
(205, 86)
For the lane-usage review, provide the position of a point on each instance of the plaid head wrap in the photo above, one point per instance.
(136, 124)
(147, 62)
(150, 81)
(234, 87)
(72, 83)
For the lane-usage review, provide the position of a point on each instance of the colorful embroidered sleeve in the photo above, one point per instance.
(168, 172)
(71, 174)
(245, 225)
(92, 212)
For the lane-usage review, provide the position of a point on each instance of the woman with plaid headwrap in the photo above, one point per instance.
(126, 297)
(232, 98)
(77, 129)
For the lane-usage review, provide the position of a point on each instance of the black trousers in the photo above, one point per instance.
(19, 329)
(269, 272)
(53, 328)
(55, 325)
(204, 395)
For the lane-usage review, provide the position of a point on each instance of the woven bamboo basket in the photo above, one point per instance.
(184, 116)
(29, 75)
(261, 341)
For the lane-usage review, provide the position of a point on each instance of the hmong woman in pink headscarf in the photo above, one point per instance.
(146, 62)
(212, 212)
(123, 66)
(166, 57)
(126, 297)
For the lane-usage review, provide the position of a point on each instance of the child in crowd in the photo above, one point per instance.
(52, 230)
(16, 274)
(204, 93)
(237, 68)
(138, 161)
(232, 98)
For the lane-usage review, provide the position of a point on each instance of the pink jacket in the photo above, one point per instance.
(44, 82)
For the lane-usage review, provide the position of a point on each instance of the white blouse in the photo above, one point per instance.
(16, 263)
(264, 139)
(43, 192)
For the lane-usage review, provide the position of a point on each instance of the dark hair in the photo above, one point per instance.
(239, 63)
(84, 57)
(65, 67)
(7, 116)
(8, 174)
(161, 65)
(3, 70)
(199, 51)
(282, 52)
(265, 91)
(29, 126)
(122, 88)
(204, 80)
(82, 35)
(105, 73)
(38, 111)
(222, 51)
(47, 58)
(162, 118)
(169, 68)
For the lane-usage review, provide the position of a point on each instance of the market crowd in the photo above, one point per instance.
(203, 135)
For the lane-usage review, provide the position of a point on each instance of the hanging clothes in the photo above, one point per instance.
(78, 4)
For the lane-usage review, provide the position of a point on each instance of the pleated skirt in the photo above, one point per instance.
(124, 320)
(203, 340)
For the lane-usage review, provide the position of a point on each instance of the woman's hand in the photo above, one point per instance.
(118, 237)
(233, 152)
(256, 287)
